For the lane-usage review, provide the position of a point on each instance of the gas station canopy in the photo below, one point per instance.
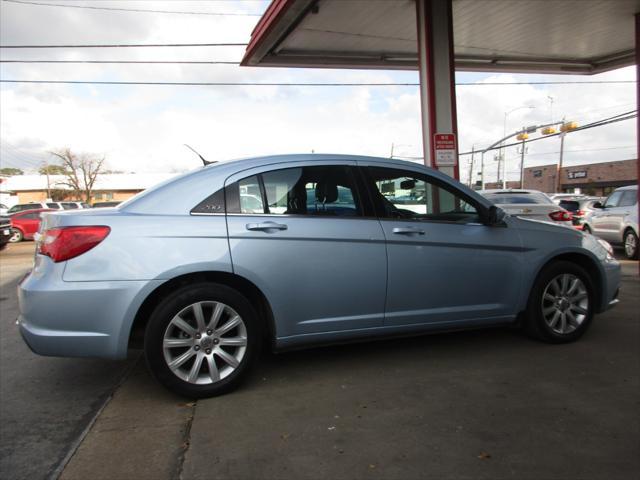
(537, 36)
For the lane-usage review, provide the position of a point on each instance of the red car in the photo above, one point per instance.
(25, 224)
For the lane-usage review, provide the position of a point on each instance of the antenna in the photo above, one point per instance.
(205, 162)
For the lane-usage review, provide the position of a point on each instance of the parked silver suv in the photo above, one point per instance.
(616, 220)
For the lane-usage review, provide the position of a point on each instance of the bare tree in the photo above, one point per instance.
(81, 171)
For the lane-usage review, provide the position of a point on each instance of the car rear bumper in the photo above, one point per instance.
(78, 319)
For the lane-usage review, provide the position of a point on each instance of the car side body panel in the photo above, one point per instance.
(325, 279)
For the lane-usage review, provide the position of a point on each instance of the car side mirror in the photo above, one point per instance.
(598, 205)
(492, 216)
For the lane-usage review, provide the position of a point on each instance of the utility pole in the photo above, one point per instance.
(473, 151)
(391, 154)
(482, 170)
(522, 161)
(558, 179)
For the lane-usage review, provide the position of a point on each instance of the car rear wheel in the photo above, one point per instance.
(561, 304)
(202, 340)
(16, 235)
(631, 245)
(586, 229)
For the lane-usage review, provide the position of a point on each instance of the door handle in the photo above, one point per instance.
(408, 231)
(266, 226)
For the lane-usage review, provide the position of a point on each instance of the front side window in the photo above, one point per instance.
(401, 194)
(613, 199)
(629, 198)
(317, 191)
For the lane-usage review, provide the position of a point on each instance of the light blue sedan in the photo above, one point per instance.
(300, 250)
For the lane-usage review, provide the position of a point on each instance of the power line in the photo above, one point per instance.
(132, 45)
(167, 62)
(606, 121)
(217, 84)
(280, 84)
(138, 10)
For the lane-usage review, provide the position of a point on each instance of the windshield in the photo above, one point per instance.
(509, 198)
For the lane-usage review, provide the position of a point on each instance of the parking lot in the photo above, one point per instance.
(481, 404)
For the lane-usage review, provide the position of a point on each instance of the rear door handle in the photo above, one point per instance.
(266, 226)
(408, 231)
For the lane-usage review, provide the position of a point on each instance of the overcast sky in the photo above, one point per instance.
(143, 128)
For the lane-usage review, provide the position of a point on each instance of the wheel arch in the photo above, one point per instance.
(584, 261)
(237, 282)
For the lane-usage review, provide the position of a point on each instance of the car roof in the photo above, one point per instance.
(187, 189)
(509, 190)
(32, 210)
(628, 187)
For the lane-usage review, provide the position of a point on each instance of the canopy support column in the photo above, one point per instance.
(437, 78)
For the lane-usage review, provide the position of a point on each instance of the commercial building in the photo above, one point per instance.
(108, 187)
(598, 179)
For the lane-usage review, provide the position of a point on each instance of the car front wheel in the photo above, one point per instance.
(631, 245)
(561, 304)
(202, 340)
(16, 235)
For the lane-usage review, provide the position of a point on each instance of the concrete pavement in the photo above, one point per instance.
(485, 404)
(45, 403)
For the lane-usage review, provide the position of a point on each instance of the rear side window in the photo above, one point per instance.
(629, 198)
(69, 206)
(518, 198)
(315, 191)
(570, 205)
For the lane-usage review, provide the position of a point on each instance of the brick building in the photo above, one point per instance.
(108, 187)
(592, 179)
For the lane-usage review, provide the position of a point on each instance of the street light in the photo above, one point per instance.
(502, 161)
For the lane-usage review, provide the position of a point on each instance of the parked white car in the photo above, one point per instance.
(530, 204)
(616, 220)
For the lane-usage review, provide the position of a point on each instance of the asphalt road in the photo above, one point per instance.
(484, 404)
(45, 403)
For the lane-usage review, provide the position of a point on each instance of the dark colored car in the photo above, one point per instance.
(105, 204)
(580, 207)
(5, 231)
(24, 225)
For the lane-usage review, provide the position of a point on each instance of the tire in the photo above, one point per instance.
(16, 236)
(630, 242)
(586, 228)
(225, 352)
(555, 299)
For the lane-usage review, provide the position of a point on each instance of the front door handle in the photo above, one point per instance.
(408, 231)
(266, 226)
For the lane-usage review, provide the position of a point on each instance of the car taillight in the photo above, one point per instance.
(561, 216)
(65, 243)
(579, 213)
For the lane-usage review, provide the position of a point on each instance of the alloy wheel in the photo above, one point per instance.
(16, 235)
(205, 342)
(565, 303)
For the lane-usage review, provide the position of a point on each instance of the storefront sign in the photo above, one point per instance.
(577, 174)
